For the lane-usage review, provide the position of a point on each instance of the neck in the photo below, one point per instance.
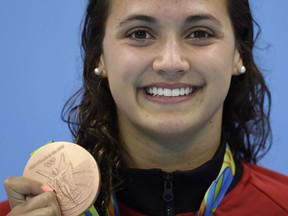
(185, 152)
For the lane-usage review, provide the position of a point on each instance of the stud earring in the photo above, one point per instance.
(97, 71)
(242, 70)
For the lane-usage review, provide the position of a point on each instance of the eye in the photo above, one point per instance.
(200, 34)
(140, 34)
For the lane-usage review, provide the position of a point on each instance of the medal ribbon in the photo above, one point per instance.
(217, 190)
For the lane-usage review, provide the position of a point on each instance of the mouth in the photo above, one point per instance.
(170, 92)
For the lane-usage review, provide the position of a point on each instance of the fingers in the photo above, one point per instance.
(17, 188)
(42, 204)
(37, 212)
(29, 197)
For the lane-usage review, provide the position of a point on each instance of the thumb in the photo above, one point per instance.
(19, 188)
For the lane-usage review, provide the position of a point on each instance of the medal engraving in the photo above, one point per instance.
(70, 171)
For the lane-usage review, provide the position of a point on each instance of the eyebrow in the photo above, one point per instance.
(150, 19)
(138, 17)
(201, 17)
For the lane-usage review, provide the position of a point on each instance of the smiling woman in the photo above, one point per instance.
(172, 109)
(169, 58)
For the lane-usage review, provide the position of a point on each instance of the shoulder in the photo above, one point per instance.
(268, 184)
(260, 191)
(264, 179)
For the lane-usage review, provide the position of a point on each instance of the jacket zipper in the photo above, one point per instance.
(168, 194)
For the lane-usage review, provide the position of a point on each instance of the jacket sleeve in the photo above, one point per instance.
(4, 208)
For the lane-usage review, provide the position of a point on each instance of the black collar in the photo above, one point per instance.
(142, 190)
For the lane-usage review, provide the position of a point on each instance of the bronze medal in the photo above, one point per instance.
(70, 171)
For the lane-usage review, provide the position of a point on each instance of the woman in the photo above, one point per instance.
(169, 88)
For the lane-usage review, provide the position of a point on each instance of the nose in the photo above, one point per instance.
(170, 58)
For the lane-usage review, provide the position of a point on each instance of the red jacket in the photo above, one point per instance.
(259, 192)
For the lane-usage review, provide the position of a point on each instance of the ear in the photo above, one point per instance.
(102, 66)
(238, 63)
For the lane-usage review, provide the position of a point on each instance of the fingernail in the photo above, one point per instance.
(46, 188)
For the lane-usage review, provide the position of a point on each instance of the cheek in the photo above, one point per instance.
(125, 67)
(125, 63)
(216, 68)
(216, 63)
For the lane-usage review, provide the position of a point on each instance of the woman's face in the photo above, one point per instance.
(169, 64)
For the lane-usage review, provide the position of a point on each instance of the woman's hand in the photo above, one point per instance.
(28, 197)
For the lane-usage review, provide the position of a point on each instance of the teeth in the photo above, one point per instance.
(175, 92)
(167, 92)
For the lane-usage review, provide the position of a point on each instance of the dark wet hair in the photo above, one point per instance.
(91, 112)
(246, 115)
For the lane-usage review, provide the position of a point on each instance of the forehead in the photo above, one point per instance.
(168, 9)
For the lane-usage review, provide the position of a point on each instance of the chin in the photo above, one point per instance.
(174, 132)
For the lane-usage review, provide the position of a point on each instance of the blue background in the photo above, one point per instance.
(40, 66)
